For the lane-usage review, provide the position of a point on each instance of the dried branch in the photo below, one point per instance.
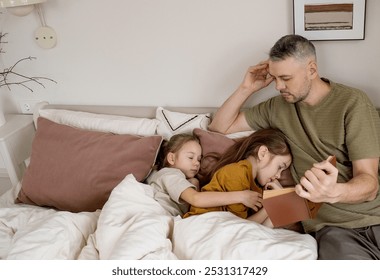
(2, 35)
(11, 77)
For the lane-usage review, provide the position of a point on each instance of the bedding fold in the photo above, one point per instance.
(132, 225)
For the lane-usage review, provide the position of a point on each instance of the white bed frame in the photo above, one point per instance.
(132, 111)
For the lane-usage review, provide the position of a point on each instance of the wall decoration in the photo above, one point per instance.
(321, 20)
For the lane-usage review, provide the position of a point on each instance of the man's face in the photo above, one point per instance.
(291, 78)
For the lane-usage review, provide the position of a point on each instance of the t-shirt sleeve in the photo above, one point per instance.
(175, 183)
(257, 117)
(363, 131)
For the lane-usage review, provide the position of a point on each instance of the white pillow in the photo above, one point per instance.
(102, 122)
(239, 134)
(175, 122)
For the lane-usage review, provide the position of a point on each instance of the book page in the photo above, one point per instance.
(272, 193)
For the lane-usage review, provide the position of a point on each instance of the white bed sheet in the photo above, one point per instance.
(132, 225)
(32, 232)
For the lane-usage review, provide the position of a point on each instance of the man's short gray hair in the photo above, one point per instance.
(292, 46)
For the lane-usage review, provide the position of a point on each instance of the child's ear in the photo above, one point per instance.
(170, 158)
(263, 150)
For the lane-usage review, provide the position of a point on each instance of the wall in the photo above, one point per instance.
(170, 52)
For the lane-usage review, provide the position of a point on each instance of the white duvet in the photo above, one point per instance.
(133, 226)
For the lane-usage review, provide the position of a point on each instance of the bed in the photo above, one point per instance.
(84, 193)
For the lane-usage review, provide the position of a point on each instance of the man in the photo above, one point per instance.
(320, 118)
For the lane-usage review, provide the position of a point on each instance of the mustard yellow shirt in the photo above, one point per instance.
(232, 177)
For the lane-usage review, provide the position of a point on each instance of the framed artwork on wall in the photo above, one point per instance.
(328, 20)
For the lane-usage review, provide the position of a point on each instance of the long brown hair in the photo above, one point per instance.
(247, 146)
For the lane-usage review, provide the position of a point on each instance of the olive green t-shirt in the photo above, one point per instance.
(344, 124)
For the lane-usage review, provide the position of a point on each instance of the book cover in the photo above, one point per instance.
(285, 206)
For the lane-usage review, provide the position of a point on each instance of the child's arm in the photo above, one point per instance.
(261, 217)
(206, 199)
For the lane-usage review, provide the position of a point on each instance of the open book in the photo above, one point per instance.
(285, 206)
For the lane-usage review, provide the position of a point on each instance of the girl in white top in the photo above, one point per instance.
(176, 187)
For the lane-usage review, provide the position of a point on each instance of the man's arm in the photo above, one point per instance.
(320, 183)
(228, 118)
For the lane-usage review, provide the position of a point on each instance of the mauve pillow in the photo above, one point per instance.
(211, 143)
(76, 170)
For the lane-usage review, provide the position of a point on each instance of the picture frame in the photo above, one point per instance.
(329, 20)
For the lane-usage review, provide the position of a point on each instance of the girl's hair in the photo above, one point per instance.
(174, 144)
(244, 147)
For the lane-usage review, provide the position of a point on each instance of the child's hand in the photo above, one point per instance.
(195, 182)
(252, 199)
(274, 185)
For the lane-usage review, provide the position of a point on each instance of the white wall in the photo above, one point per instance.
(170, 52)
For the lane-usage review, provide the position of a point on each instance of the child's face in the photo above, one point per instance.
(271, 168)
(187, 159)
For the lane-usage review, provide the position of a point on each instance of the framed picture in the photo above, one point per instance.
(320, 20)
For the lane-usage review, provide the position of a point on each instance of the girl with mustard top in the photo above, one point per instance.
(259, 159)
(175, 184)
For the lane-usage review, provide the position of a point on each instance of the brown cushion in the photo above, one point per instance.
(212, 143)
(75, 170)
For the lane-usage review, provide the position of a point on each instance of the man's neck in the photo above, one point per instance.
(319, 90)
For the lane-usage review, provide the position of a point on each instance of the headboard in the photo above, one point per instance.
(132, 111)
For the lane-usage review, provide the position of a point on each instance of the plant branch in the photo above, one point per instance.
(10, 77)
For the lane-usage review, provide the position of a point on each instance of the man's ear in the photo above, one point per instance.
(170, 158)
(313, 68)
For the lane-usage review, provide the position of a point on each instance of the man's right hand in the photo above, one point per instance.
(256, 78)
(228, 118)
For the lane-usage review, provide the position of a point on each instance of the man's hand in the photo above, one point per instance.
(318, 183)
(256, 77)
(229, 118)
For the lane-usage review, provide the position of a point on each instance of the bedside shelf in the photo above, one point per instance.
(16, 137)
